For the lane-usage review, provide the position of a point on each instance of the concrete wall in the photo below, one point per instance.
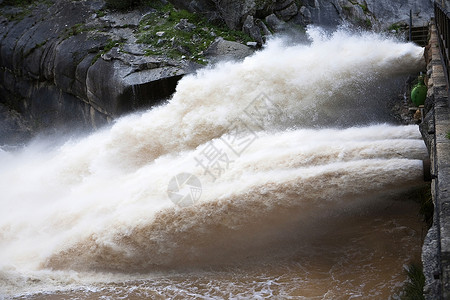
(436, 126)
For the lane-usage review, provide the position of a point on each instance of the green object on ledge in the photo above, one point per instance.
(419, 92)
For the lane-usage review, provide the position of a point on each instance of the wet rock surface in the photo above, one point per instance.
(77, 63)
(14, 129)
(63, 65)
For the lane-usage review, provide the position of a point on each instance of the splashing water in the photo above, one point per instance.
(96, 210)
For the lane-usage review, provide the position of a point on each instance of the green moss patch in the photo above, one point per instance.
(108, 46)
(397, 27)
(180, 34)
(77, 29)
(362, 5)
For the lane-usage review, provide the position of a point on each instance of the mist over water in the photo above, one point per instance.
(283, 143)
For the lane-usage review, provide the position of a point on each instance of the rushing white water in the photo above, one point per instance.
(251, 132)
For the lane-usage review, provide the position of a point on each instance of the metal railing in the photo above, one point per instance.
(442, 19)
(417, 33)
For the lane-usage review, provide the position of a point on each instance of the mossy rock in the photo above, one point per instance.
(178, 33)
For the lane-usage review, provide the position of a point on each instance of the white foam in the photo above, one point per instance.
(101, 203)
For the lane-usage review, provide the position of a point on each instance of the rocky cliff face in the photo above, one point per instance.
(260, 17)
(68, 62)
(61, 64)
(388, 12)
(254, 16)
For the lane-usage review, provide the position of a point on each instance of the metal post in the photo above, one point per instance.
(410, 25)
(447, 43)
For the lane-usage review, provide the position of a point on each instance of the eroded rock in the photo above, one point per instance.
(227, 50)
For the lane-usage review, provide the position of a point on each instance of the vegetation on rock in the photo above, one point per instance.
(398, 27)
(108, 46)
(423, 197)
(416, 281)
(178, 33)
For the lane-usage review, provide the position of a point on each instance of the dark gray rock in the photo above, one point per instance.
(68, 55)
(50, 108)
(128, 19)
(9, 57)
(378, 13)
(185, 25)
(430, 254)
(97, 5)
(55, 71)
(436, 248)
(264, 29)
(14, 129)
(206, 8)
(325, 12)
(132, 82)
(264, 8)
(274, 23)
(287, 13)
(233, 13)
(12, 10)
(427, 129)
(280, 5)
(228, 11)
(63, 51)
(389, 12)
(227, 50)
(252, 30)
(355, 12)
(306, 15)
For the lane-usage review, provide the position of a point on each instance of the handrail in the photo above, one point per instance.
(442, 19)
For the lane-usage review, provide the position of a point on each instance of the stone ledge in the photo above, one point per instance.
(437, 261)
